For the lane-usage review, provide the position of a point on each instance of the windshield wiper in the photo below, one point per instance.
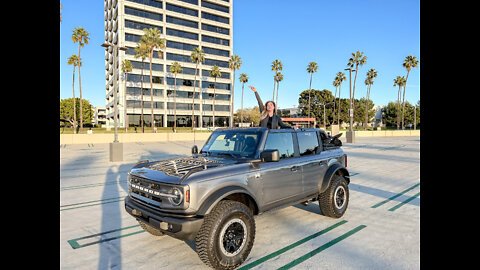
(226, 153)
(207, 152)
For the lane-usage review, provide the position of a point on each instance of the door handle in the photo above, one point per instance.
(294, 168)
(322, 162)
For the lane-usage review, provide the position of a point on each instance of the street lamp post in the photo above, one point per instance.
(350, 133)
(116, 148)
(324, 114)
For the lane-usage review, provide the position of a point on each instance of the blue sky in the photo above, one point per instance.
(294, 32)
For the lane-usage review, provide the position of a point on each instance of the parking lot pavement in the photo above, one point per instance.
(380, 230)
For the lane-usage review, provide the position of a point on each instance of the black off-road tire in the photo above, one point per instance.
(150, 229)
(213, 243)
(333, 202)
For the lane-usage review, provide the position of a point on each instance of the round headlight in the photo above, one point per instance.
(178, 200)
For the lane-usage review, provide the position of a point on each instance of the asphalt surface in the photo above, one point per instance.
(380, 230)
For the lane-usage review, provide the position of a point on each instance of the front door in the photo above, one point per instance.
(283, 179)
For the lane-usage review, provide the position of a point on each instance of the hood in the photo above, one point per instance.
(176, 170)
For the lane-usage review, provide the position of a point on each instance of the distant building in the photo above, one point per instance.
(185, 24)
(99, 117)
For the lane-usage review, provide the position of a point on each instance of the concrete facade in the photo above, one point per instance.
(184, 24)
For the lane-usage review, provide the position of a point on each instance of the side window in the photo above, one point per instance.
(281, 141)
(307, 143)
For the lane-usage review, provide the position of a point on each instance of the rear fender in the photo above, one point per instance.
(333, 170)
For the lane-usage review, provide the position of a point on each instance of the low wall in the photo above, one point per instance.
(168, 137)
(131, 137)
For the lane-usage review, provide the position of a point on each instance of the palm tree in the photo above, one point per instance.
(234, 63)
(278, 79)
(336, 83)
(371, 74)
(175, 68)
(141, 51)
(311, 68)
(340, 78)
(243, 79)
(357, 59)
(75, 61)
(152, 38)
(215, 73)
(409, 63)
(197, 56)
(276, 66)
(400, 81)
(126, 68)
(81, 36)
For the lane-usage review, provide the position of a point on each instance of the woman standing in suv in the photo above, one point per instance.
(268, 116)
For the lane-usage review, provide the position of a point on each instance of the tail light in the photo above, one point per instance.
(345, 160)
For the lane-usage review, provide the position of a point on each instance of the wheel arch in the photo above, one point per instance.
(335, 169)
(234, 193)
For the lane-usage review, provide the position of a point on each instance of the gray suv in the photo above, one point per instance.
(212, 196)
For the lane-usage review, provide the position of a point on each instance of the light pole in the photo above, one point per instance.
(350, 133)
(415, 118)
(116, 148)
(324, 121)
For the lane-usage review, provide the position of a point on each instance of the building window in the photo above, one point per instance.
(180, 94)
(184, 82)
(182, 10)
(225, 86)
(146, 66)
(211, 62)
(181, 46)
(212, 17)
(206, 73)
(216, 51)
(215, 29)
(183, 22)
(215, 6)
(152, 3)
(215, 40)
(182, 34)
(143, 13)
(141, 26)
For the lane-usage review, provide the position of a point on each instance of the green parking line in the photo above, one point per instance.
(404, 202)
(90, 203)
(395, 196)
(74, 242)
(321, 248)
(287, 248)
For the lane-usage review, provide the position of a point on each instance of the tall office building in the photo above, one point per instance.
(185, 25)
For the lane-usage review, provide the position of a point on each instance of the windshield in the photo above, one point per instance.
(234, 143)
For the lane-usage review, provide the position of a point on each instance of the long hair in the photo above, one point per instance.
(264, 113)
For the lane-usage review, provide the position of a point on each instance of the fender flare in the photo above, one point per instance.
(330, 173)
(209, 203)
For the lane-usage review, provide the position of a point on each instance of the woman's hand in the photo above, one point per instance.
(253, 88)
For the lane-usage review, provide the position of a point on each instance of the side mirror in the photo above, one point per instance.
(269, 155)
(194, 149)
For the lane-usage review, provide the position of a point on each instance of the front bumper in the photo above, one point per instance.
(181, 228)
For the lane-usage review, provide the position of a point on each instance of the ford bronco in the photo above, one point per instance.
(212, 196)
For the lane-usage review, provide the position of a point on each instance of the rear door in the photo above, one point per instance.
(283, 179)
(313, 162)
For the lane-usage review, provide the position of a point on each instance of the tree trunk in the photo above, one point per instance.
(309, 91)
(151, 93)
(175, 106)
(74, 105)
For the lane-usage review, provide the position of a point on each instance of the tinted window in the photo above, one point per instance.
(283, 142)
(307, 142)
